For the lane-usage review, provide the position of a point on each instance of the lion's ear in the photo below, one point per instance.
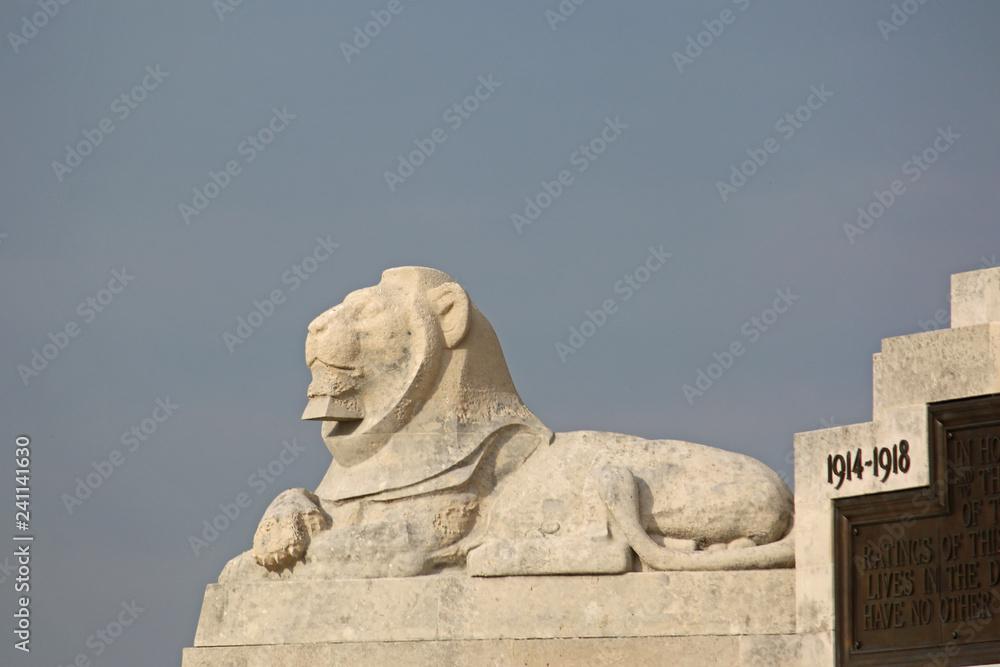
(451, 305)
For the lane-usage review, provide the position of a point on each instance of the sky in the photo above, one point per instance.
(685, 220)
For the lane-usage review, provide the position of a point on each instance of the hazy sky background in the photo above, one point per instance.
(887, 97)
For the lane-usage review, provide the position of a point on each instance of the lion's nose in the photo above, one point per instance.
(327, 408)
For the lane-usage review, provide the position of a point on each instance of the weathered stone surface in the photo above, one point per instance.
(770, 651)
(816, 649)
(707, 651)
(975, 297)
(936, 366)
(290, 520)
(457, 607)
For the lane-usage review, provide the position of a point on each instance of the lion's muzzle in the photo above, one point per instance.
(331, 408)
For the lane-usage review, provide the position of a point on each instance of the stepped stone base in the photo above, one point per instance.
(685, 618)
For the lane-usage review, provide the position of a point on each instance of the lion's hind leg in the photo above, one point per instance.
(619, 491)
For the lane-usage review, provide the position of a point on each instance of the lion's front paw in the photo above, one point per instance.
(279, 542)
(284, 532)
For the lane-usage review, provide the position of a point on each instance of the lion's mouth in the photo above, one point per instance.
(334, 429)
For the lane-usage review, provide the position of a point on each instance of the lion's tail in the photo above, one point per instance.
(619, 492)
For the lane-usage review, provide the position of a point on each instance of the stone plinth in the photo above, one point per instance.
(716, 618)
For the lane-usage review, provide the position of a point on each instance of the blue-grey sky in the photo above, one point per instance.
(176, 162)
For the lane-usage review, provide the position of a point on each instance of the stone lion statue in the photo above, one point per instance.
(438, 465)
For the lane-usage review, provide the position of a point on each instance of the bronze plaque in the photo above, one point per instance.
(918, 571)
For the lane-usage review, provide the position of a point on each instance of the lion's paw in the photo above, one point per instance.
(279, 542)
(738, 543)
(741, 543)
(284, 532)
(245, 568)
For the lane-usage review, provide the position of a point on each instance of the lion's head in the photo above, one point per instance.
(409, 380)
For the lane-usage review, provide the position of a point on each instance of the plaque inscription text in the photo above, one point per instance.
(918, 571)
